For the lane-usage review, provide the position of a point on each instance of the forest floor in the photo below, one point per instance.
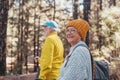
(32, 75)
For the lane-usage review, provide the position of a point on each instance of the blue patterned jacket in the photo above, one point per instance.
(78, 66)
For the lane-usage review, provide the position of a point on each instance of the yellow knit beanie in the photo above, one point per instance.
(81, 25)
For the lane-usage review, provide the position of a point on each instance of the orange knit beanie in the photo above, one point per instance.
(81, 25)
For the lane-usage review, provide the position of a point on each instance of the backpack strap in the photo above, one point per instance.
(70, 54)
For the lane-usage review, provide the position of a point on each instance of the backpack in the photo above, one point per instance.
(100, 69)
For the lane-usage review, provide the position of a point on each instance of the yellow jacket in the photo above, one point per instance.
(51, 57)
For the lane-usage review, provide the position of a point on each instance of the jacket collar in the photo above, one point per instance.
(52, 33)
(80, 42)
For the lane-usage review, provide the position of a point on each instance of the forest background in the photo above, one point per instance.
(25, 36)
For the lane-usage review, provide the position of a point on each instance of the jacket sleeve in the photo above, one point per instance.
(46, 58)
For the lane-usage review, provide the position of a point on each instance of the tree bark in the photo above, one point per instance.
(3, 30)
(86, 11)
(75, 9)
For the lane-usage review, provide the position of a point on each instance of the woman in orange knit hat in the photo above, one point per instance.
(77, 64)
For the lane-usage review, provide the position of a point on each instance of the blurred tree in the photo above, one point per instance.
(112, 2)
(3, 29)
(86, 12)
(75, 9)
(27, 38)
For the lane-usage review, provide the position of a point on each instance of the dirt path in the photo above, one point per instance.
(30, 76)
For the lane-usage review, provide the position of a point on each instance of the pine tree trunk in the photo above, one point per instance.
(3, 29)
(75, 9)
(86, 11)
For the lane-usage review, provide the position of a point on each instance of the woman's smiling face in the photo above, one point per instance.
(72, 35)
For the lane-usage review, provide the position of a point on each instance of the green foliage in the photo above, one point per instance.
(107, 32)
(110, 22)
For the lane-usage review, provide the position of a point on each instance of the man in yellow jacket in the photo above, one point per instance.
(52, 52)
